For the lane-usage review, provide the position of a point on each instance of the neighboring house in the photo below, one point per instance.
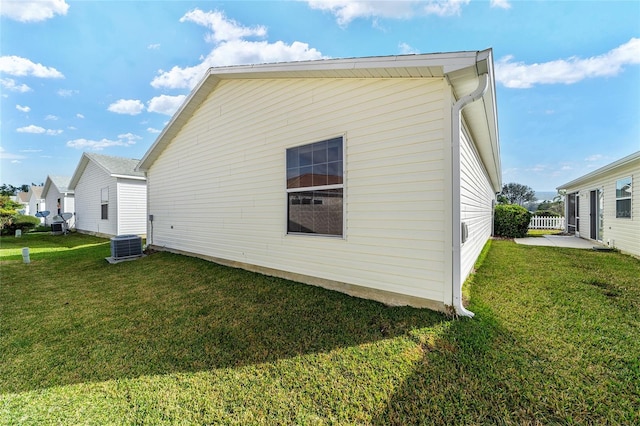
(359, 175)
(604, 205)
(36, 201)
(23, 198)
(110, 196)
(59, 197)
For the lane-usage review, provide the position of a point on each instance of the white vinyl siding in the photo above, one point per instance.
(88, 195)
(227, 165)
(132, 206)
(36, 205)
(67, 204)
(476, 204)
(620, 233)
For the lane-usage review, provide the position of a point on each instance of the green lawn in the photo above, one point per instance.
(177, 340)
(541, 232)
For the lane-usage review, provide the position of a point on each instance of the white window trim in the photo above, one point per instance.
(103, 202)
(630, 198)
(342, 186)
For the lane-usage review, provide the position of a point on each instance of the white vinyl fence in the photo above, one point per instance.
(542, 222)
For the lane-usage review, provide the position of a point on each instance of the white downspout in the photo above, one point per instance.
(456, 120)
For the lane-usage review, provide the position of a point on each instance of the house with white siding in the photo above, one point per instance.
(36, 201)
(604, 205)
(59, 197)
(23, 199)
(110, 196)
(374, 176)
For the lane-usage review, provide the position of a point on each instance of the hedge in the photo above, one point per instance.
(511, 221)
(20, 221)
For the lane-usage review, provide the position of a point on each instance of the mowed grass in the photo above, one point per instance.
(169, 339)
(542, 232)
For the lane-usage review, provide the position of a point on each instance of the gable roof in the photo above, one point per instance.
(117, 167)
(61, 183)
(35, 191)
(461, 69)
(602, 170)
(23, 197)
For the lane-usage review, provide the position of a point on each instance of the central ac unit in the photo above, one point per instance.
(123, 246)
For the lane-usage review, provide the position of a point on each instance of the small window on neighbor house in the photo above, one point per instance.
(104, 203)
(59, 210)
(315, 175)
(623, 198)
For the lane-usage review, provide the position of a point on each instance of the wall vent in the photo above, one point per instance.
(124, 246)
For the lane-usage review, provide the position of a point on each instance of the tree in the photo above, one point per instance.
(8, 211)
(515, 193)
(555, 207)
(8, 190)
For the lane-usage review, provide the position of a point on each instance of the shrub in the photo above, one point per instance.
(511, 221)
(20, 221)
(547, 213)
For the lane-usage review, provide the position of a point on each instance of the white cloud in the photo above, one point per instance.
(152, 130)
(31, 150)
(65, 93)
(51, 117)
(88, 144)
(346, 11)
(231, 49)
(502, 4)
(235, 52)
(405, 49)
(10, 84)
(23, 108)
(4, 155)
(445, 7)
(594, 157)
(80, 115)
(129, 137)
(38, 130)
(154, 46)
(31, 129)
(127, 106)
(33, 10)
(519, 75)
(165, 104)
(222, 28)
(17, 66)
(16, 161)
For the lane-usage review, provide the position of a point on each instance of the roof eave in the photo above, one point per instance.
(602, 170)
(436, 64)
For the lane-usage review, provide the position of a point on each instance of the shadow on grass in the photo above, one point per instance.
(554, 341)
(73, 318)
(465, 377)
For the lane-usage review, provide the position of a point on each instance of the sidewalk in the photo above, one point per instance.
(559, 241)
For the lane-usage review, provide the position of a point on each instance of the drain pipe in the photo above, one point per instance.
(456, 119)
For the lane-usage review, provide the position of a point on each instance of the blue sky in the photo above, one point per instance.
(106, 76)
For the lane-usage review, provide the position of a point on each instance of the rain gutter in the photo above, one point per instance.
(456, 228)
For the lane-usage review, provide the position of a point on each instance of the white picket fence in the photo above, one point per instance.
(542, 222)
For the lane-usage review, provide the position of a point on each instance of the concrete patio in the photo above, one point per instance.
(560, 241)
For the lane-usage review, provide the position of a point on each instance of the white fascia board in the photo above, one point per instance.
(360, 67)
(602, 170)
(45, 189)
(117, 176)
(199, 93)
(84, 160)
